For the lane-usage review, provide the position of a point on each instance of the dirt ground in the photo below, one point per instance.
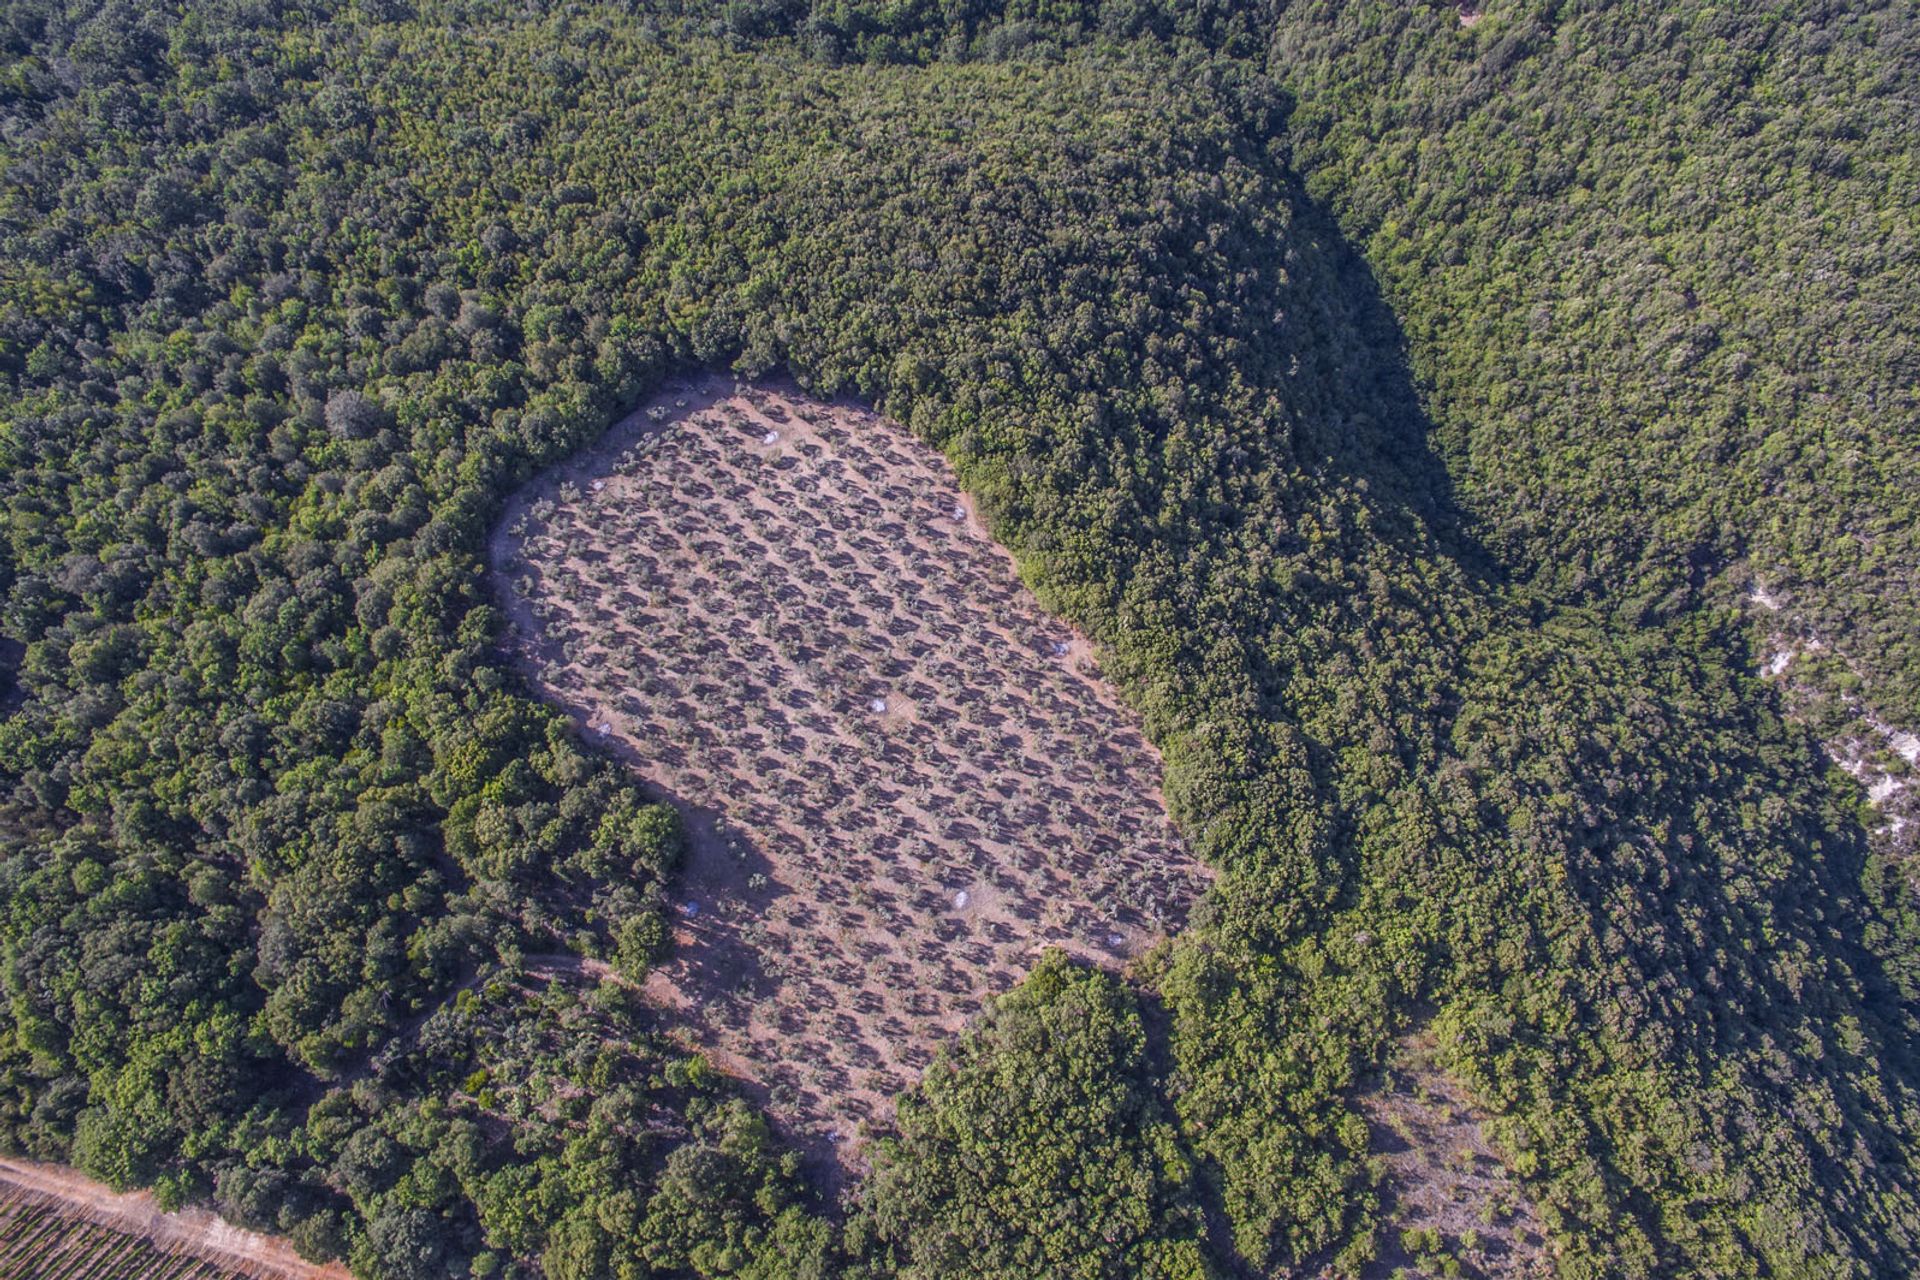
(1448, 1196)
(902, 780)
(55, 1222)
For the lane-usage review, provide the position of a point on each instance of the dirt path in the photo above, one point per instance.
(195, 1232)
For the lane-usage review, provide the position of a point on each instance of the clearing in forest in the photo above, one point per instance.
(902, 779)
(1451, 1205)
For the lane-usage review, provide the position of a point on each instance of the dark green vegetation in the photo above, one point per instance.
(1050, 1091)
(291, 297)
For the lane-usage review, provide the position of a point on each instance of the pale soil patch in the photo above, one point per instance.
(1447, 1193)
(901, 778)
(1881, 757)
(53, 1219)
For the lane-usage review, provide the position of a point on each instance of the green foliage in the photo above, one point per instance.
(1039, 1147)
(1354, 374)
(1703, 270)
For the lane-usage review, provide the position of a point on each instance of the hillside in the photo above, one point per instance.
(1408, 403)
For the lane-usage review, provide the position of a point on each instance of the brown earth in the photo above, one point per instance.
(902, 780)
(1447, 1194)
(55, 1222)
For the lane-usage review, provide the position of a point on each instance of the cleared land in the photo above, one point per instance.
(902, 779)
(55, 1223)
(1452, 1205)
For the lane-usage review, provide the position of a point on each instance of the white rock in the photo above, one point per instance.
(1908, 746)
(772, 437)
(960, 900)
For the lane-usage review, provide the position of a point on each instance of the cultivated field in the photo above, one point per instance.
(57, 1225)
(902, 779)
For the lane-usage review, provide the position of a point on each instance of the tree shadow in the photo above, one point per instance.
(724, 883)
(1359, 410)
(1705, 826)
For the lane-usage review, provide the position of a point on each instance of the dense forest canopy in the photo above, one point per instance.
(1406, 397)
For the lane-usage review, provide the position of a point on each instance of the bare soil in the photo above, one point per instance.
(1448, 1194)
(55, 1222)
(902, 780)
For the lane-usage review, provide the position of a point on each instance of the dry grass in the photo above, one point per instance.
(901, 778)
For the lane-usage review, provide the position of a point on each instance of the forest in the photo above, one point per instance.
(1408, 399)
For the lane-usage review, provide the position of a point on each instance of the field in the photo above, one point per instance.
(902, 780)
(56, 1225)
